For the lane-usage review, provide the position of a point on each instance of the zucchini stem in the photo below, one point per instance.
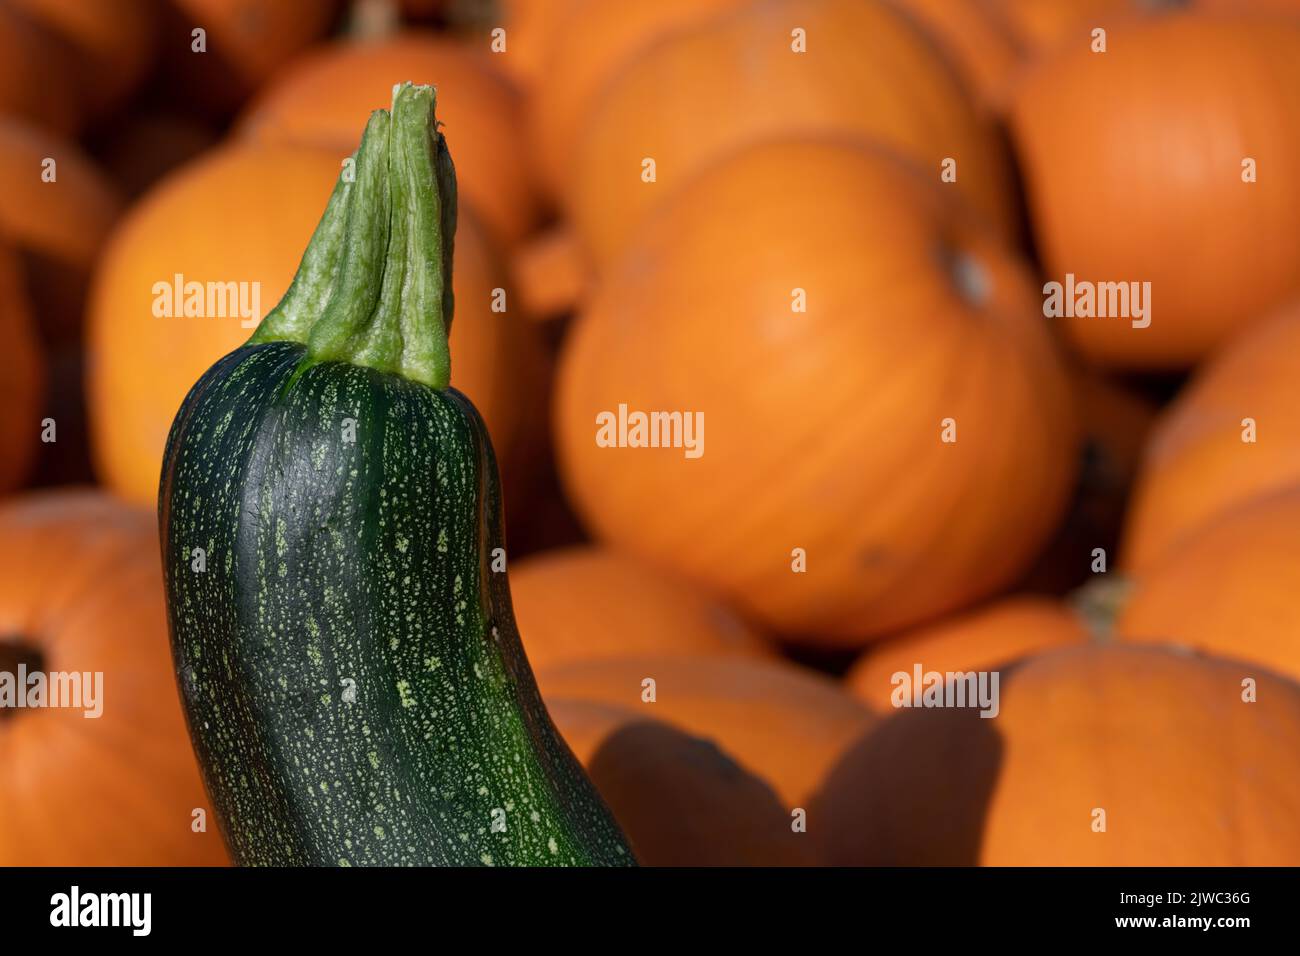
(374, 286)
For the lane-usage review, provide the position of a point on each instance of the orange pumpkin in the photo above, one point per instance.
(1288, 8)
(112, 40)
(1229, 589)
(1039, 28)
(245, 42)
(593, 40)
(81, 591)
(1197, 465)
(551, 272)
(588, 602)
(826, 428)
(1116, 422)
(680, 800)
(1099, 756)
(58, 216)
(244, 214)
(988, 637)
(38, 76)
(703, 93)
(325, 97)
(1106, 207)
(786, 725)
(974, 40)
(22, 377)
(531, 27)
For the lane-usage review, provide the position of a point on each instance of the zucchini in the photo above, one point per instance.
(330, 514)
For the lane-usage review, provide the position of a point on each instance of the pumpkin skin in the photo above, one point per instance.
(1116, 422)
(256, 36)
(38, 76)
(59, 226)
(247, 41)
(589, 602)
(982, 639)
(531, 27)
(244, 213)
(943, 324)
(786, 725)
(22, 377)
(1287, 8)
(1039, 28)
(589, 45)
(1187, 773)
(703, 93)
(551, 273)
(113, 42)
(680, 800)
(1196, 466)
(990, 41)
(80, 584)
(481, 113)
(977, 44)
(1219, 90)
(1243, 571)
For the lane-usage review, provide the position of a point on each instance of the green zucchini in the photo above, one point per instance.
(330, 516)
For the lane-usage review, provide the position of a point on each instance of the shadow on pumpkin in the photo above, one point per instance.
(683, 802)
(913, 791)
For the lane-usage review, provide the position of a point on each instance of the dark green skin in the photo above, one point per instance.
(349, 664)
(370, 561)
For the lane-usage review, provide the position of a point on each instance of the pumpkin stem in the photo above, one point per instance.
(971, 278)
(1099, 603)
(374, 286)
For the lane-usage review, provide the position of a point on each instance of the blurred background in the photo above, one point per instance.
(823, 225)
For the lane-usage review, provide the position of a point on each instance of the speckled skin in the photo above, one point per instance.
(349, 663)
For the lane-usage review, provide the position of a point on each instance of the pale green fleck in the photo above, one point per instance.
(404, 693)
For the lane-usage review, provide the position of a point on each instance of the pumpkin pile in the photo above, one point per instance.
(897, 401)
